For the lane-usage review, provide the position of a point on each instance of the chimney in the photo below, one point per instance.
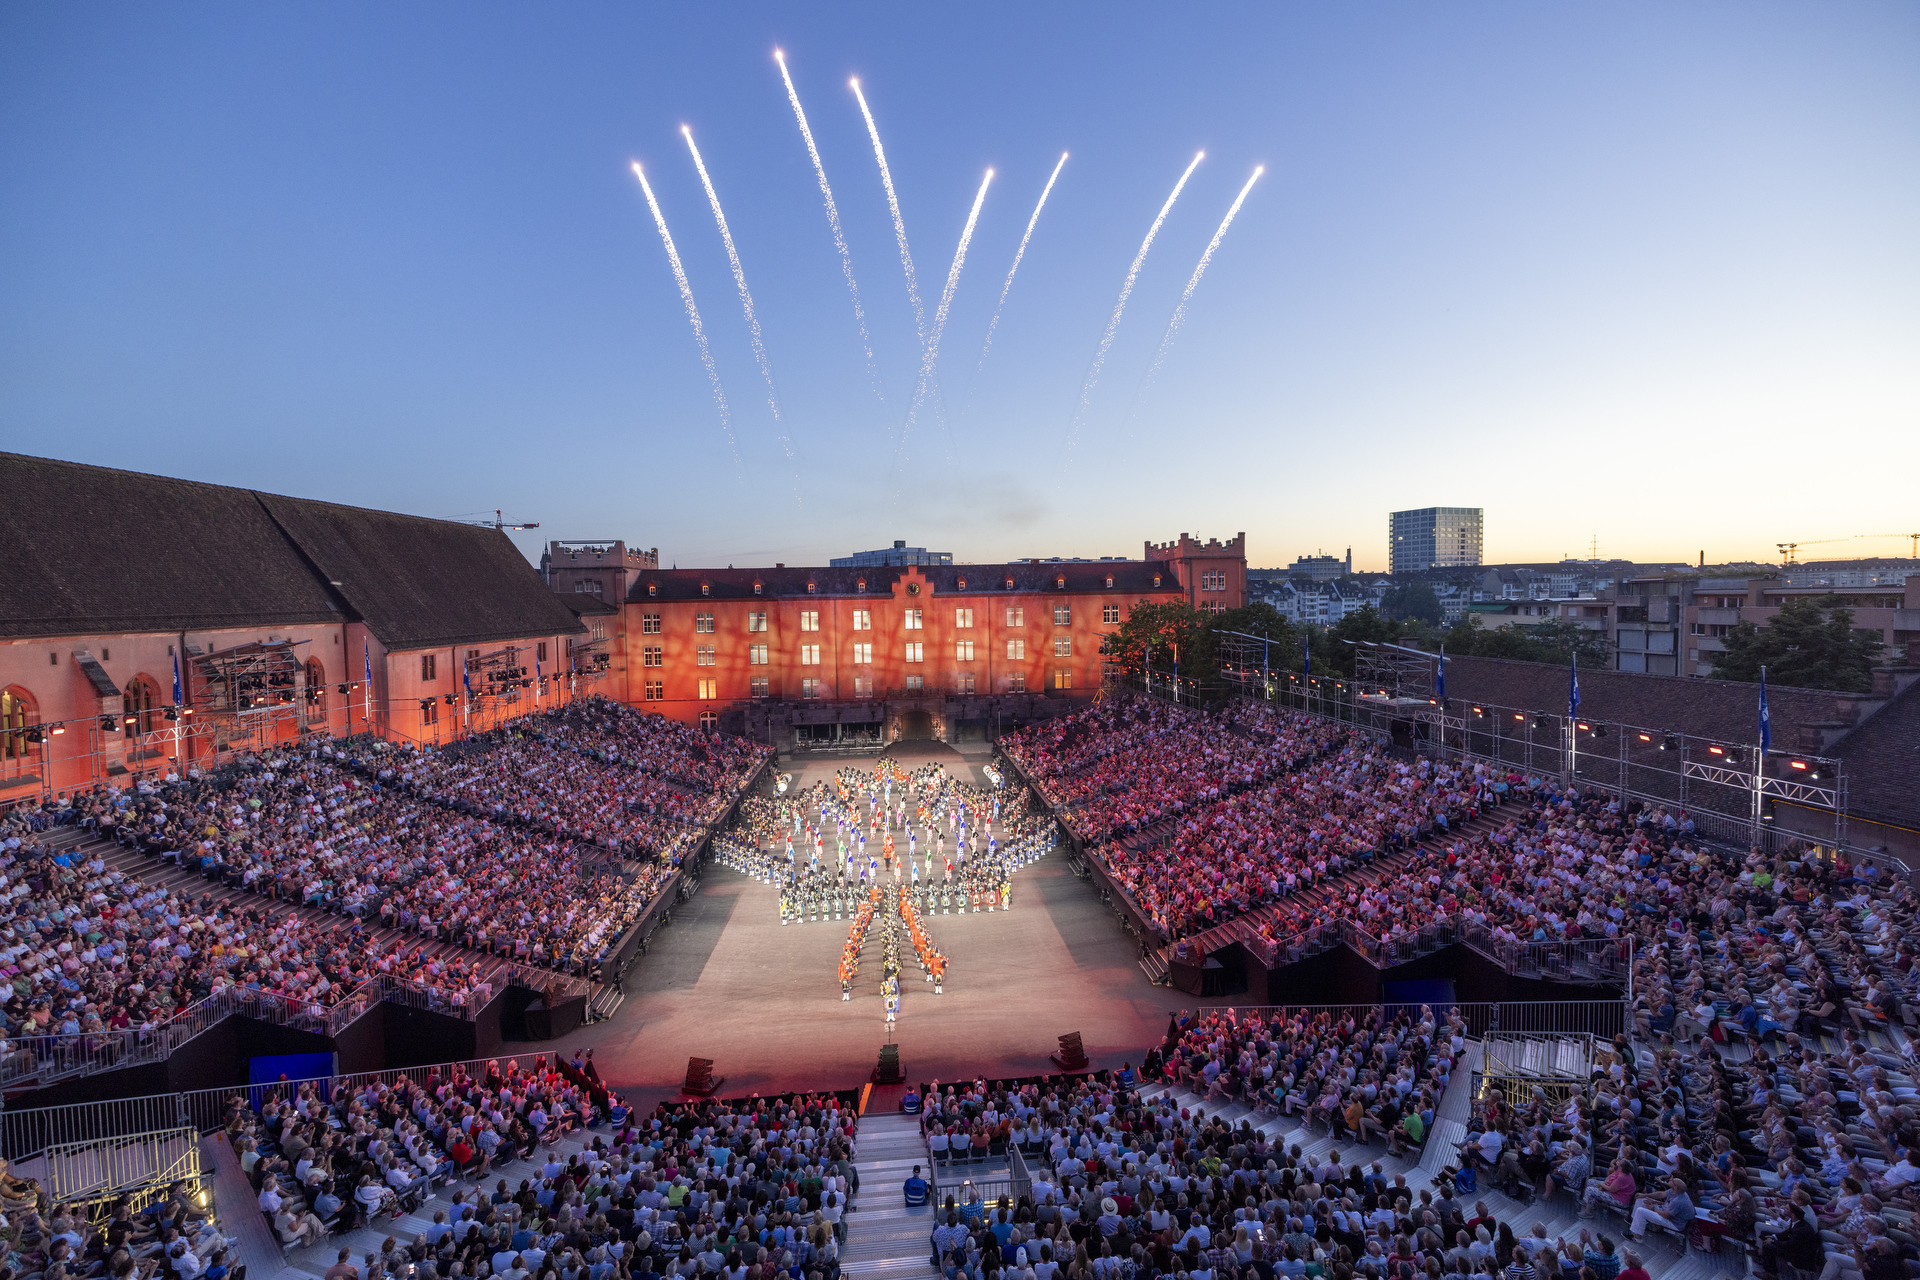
(1703, 559)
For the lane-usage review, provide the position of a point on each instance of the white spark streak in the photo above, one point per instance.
(693, 313)
(1126, 289)
(833, 221)
(932, 351)
(899, 227)
(1180, 311)
(746, 296)
(1019, 254)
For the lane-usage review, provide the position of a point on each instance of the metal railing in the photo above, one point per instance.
(1599, 1018)
(86, 1172)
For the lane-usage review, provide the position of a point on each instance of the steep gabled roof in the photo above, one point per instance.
(420, 583)
(92, 550)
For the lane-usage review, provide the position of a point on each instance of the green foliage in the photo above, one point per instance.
(1158, 632)
(1415, 601)
(1810, 644)
(1558, 640)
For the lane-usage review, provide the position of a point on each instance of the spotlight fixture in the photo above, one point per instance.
(59, 729)
(34, 735)
(1644, 737)
(1669, 743)
(107, 725)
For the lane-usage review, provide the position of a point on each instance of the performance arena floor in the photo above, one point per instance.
(726, 980)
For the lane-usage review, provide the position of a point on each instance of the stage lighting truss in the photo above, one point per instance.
(252, 679)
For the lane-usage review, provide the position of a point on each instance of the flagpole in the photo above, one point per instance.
(1760, 763)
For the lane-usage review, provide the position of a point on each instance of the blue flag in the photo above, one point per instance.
(366, 655)
(1440, 675)
(466, 679)
(1306, 655)
(1573, 689)
(1766, 721)
(177, 699)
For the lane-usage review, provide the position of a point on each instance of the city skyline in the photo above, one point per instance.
(1605, 276)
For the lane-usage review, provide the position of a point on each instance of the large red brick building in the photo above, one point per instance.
(273, 610)
(880, 653)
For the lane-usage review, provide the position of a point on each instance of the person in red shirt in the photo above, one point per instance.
(1634, 1270)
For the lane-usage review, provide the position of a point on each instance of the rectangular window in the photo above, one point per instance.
(758, 686)
(1017, 682)
(809, 655)
(756, 655)
(1063, 646)
(966, 682)
(863, 686)
(963, 651)
(756, 622)
(1016, 648)
(863, 619)
(703, 622)
(649, 624)
(963, 619)
(915, 682)
(809, 619)
(1063, 679)
(863, 653)
(703, 656)
(916, 651)
(810, 687)
(1016, 616)
(429, 662)
(1063, 615)
(709, 689)
(914, 617)
(473, 659)
(540, 651)
(655, 690)
(653, 656)
(1109, 614)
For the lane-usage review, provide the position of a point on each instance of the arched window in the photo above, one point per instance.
(141, 704)
(710, 721)
(316, 688)
(16, 713)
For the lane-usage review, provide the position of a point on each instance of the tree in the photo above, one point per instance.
(1413, 600)
(1156, 632)
(1563, 640)
(1810, 644)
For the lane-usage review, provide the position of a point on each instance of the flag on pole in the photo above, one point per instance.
(539, 682)
(366, 657)
(177, 699)
(1766, 721)
(1306, 655)
(1573, 689)
(1440, 675)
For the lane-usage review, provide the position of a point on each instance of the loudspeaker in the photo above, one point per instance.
(1071, 1056)
(700, 1078)
(888, 1071)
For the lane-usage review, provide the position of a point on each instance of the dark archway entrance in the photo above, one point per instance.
(916, 725)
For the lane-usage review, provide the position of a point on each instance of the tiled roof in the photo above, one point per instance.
(92, 550)
(1881, 760)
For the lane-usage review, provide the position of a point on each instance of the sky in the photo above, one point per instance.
(1641, 277)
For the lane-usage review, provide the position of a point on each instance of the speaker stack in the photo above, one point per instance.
(888, 1071)
(1071, 1056)
(700, 1079)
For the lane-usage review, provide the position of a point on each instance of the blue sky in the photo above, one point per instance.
(1645, 273)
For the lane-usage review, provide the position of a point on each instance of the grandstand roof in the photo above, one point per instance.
(737, 584)
(95, 550)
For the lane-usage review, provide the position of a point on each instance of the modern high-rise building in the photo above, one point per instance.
(899, 554)
(1433, 538)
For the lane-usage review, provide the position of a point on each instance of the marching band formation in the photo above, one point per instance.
(891, 845)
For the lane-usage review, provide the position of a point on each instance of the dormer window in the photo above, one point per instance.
(963, 584)
(1156, 579)
(1009, 584)
(653, 588)
(810, 588)
(1109, 582)
(1061, 582)
(706, 588)
(860, 585)
(756, 588)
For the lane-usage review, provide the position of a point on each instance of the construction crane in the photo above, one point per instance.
(1912, 538)
(500, 523)
(1787, 549)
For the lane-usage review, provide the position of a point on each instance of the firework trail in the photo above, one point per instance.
(929, 355)
(833, 221)
(1018, 254)
(746, 298)
(1180, 311)
(1126, 289)
(899, 227)
(693, 314)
